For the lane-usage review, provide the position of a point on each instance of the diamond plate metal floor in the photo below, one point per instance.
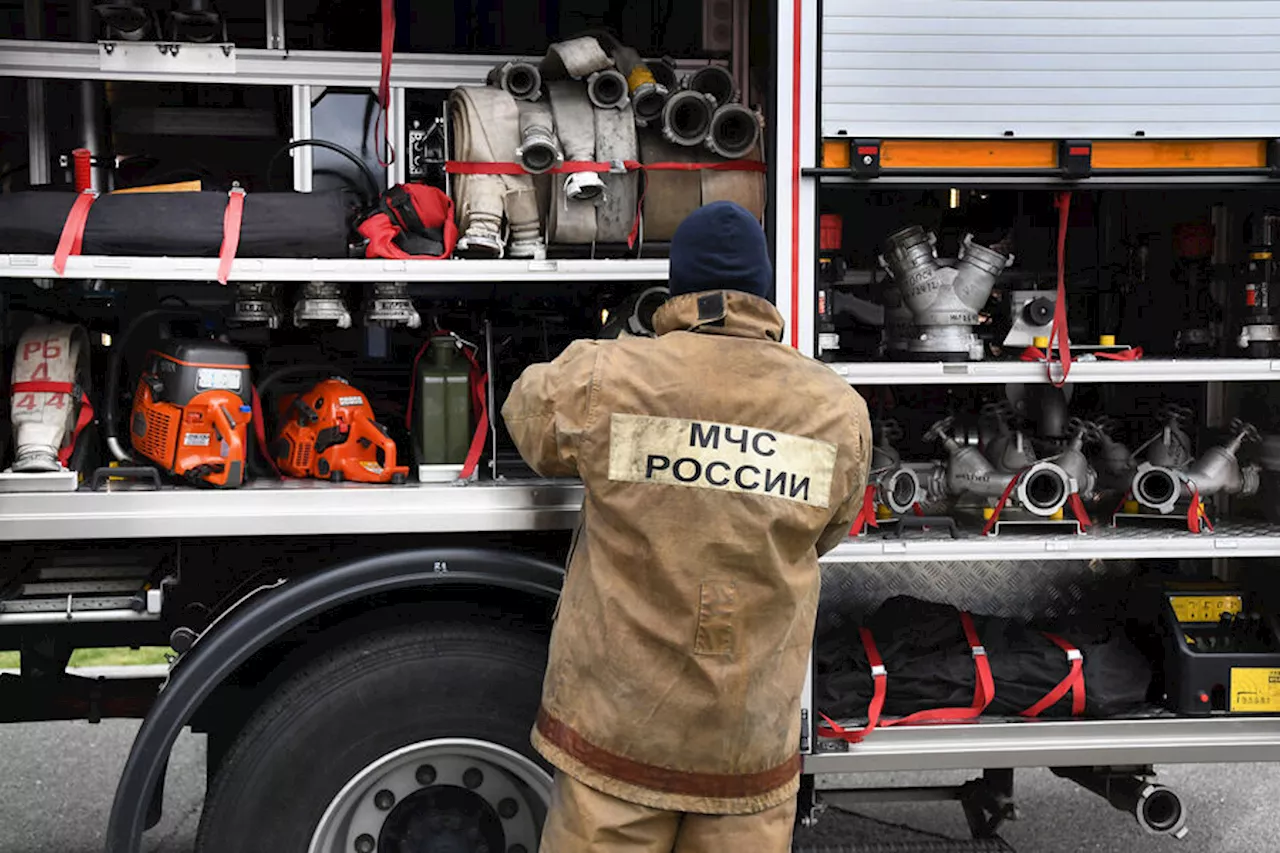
(845, 832)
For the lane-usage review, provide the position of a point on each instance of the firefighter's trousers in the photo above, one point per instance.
(584, 820)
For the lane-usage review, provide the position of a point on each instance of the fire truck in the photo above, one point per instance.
(271, 268)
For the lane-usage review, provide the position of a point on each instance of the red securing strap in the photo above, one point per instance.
(458, 167)
(1059, 328)
(1077, 509)
(73, 230)
(1004, 498)
(1195, 514)
(479, 382)
(231, 218)
(879, 679)
(867, 514)
(1130, 354)
(83, 419)
(82, 162)
(380, 127)
(1074, 682)
(984, 688)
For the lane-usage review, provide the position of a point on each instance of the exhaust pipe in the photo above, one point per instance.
(521, 80)
(1158, 810)
(686, 118)
(735, 130)
(715, 81)
(607, 89)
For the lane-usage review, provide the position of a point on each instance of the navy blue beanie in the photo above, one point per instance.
(721, 247)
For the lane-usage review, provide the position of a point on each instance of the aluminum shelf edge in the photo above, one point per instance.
(195, 63)
(1149, 541)
(1055, 743)
(125, 268)
(997, 372)
(295, 508)
(52, 60)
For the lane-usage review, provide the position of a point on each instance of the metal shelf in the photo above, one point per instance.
(996, 372)
(1047, 743)
(158, 62)
(1154, 541)
(295, 508)
(193, 63)
(335, 269)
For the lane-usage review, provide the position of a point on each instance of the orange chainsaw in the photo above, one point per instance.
(191, 411)
(330, 433)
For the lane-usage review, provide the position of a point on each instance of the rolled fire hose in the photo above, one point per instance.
(539, 149)
(616, 140)
(744, 188)
(44, 421)
(607, 90)
(735, 131)
(574, 196)
(521, 80)
(648, 96)
(670, 196)
(716, 81)
(686, 118)
(486, 126)
(576, 59)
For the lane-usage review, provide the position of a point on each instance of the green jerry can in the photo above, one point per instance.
(443, 423)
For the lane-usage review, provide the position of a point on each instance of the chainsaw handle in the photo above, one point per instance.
(366, 428)
(102, 476)
(226, 426)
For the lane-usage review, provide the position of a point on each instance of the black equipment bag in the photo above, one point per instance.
(275, 225)
(929, 664)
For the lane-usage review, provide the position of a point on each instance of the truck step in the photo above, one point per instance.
(86, 593)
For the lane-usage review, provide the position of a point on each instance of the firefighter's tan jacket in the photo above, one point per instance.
(718, 463)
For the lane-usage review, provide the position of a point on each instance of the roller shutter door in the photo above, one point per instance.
(1053, 69)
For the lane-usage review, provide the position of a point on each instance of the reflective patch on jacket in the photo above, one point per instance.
(725, 457)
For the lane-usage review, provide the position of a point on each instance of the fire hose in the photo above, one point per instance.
(572, 218)
(486, 126)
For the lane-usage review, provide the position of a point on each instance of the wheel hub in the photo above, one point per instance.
(441, 796)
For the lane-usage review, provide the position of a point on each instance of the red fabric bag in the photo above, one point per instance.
(415, 222)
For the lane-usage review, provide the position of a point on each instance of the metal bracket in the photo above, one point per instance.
(864, 158)
(988, 802)
(1075, 158)
(166, 58)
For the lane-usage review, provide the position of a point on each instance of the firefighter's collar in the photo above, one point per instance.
(720, 312)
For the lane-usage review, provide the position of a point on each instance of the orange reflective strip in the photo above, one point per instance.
(1180, 154)
(835, 154)
(968, 154)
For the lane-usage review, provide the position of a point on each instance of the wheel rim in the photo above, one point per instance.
(455, 795)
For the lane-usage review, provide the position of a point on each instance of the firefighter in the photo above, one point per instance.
(718, 464)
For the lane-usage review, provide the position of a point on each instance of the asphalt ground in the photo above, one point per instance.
(56, 783)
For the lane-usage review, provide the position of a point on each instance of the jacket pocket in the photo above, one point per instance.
(716, 609)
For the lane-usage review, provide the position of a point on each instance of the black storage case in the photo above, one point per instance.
(275, 225)
(1237, 674)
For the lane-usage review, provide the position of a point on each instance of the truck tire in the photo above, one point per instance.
(413, 738)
